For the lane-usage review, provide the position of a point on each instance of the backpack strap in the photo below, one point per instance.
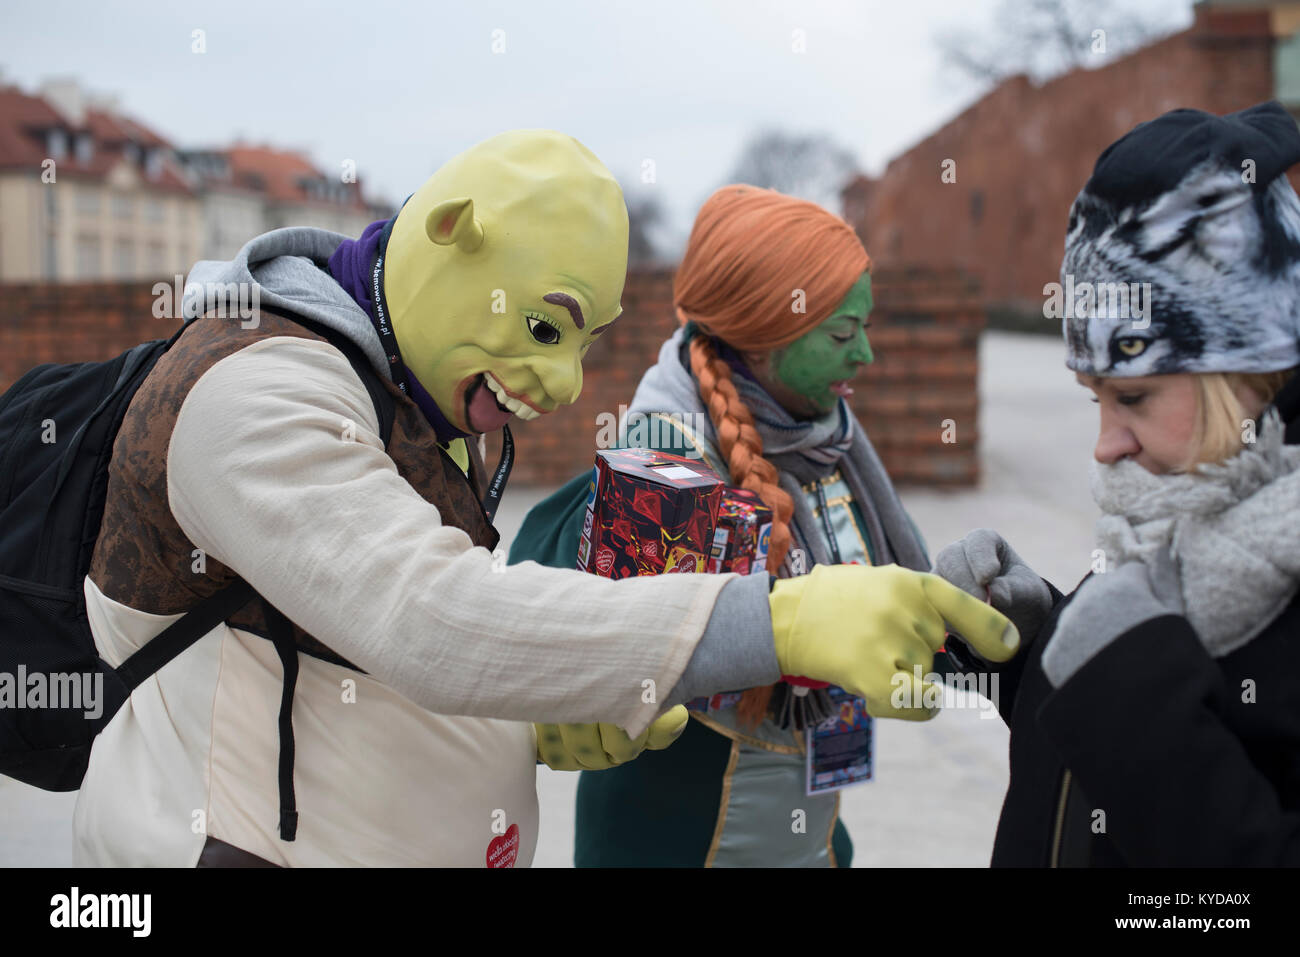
(183, 632)
(197, 622)
(128, 380)
(287, 649)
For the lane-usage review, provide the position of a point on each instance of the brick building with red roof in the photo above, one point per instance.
(87, 193)
(248, 189)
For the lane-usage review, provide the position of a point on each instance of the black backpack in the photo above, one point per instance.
(58, 424)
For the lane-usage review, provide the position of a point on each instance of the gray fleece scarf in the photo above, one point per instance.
(1233, 531)
(802, 451)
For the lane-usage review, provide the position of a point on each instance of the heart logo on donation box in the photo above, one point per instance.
(503, 850)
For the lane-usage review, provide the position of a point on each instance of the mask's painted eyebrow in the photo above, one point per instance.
(569, 303)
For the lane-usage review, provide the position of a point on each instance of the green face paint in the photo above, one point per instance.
(819, 364)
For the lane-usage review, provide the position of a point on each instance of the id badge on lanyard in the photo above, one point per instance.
(840, 750)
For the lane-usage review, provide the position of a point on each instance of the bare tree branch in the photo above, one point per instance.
(1044, 38)
(810, 167)
(645, 215)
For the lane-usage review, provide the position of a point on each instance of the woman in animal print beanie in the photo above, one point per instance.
(1155, 712)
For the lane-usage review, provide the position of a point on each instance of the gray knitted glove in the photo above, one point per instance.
(1105, 607)
(984, 565)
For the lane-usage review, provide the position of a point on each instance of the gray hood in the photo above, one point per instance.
(286, 269)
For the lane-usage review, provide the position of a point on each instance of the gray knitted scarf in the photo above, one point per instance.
(802, 451)
(1233, 531)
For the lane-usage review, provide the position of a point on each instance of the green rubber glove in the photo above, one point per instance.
(594, 747)
(866, 627)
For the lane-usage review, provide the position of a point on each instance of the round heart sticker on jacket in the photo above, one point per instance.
(503, 850)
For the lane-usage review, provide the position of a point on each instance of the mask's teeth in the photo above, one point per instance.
(509, 403)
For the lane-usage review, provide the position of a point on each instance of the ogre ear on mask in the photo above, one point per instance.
(452, 222)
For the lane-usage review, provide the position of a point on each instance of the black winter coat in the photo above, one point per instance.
(1154, 753)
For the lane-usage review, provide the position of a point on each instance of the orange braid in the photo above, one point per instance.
(740, 445)
(742, 449)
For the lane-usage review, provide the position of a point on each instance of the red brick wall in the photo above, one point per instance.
(924, 333)
(73, 322)
(1023, 153)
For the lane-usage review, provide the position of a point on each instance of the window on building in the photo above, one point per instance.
(976, 206)
(153, 209)
(88, 263)
(123, 205)
(156, 260)
(56, 144)
(124, 259)
(85, 148)
(153, 163)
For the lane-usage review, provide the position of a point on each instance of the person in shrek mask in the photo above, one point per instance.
(319, 454)
(774, 297)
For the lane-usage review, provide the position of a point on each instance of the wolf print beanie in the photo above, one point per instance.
(1183, 249)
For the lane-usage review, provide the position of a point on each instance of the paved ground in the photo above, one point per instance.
(939, 785)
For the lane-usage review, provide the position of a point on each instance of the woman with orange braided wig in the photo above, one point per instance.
(774, 295)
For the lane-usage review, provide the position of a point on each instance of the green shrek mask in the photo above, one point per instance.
(810, 375)
(501, 272)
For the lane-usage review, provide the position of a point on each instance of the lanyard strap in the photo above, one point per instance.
(387, 337)
(383, 324)
(496, 488)
(826, 524)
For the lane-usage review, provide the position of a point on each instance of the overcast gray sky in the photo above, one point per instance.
(400, 87)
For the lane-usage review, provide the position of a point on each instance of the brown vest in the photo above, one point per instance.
(143, 560)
